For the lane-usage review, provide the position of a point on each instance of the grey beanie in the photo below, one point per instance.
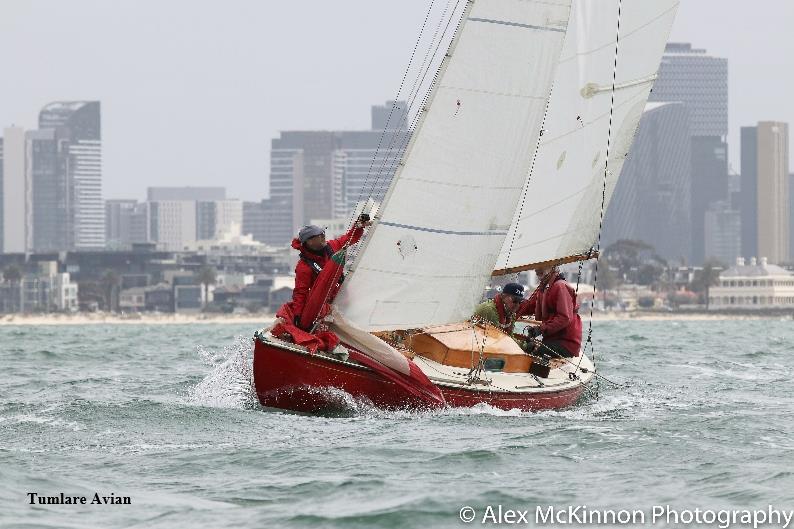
(307, 232)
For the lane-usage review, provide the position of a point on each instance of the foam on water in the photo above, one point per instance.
(703, 419)
(229, 384)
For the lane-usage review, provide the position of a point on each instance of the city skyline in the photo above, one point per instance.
(167, 102)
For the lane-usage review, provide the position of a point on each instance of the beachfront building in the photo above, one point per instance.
(44, 289)
(132, 299)
(756, 285)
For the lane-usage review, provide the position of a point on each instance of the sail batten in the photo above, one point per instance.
(563, 194)
(447, 212)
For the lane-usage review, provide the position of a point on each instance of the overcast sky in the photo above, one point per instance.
(193, 91)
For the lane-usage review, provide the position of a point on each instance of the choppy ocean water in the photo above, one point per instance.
(166, 416)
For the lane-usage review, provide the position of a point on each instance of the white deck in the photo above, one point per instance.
(558, 379)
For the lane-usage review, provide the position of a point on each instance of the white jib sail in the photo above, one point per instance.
(561, 210)
(449, 207)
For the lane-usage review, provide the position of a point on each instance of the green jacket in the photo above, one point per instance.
(487, 311)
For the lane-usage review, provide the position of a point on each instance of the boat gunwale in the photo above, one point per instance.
(280, 344)
(546, 389)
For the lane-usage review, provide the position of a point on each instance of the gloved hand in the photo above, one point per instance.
(532, 331)
(364, 220)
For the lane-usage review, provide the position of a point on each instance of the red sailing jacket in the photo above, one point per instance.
(305, 276)
(557, 310)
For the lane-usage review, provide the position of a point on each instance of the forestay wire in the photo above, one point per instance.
(398, 131)
(399, 135)
(394, 106)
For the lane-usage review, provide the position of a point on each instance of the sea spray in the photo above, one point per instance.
(229, 384)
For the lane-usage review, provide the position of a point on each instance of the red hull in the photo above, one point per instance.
(462, 398)
(291, 379)
(299, 381)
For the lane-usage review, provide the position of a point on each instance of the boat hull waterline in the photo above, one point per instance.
(290, 378)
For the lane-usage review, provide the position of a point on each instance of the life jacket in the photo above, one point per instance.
(315, 266)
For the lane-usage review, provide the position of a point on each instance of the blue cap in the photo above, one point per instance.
(513, 289)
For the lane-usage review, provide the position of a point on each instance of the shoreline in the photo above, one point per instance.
(99, 318)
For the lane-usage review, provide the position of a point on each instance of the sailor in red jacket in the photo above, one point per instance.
(555, 306)
(315, 251)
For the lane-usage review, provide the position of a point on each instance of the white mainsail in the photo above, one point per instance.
(447, 212)
(560, 217)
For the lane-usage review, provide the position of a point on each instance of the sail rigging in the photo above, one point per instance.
(450, 205)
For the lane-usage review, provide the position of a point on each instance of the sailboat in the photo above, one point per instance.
(511, 164)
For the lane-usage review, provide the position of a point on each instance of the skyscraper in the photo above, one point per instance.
(773, 191)
(651, 201)
(17, 208)
(748, 195)
(301, 180)
(68, 169)
(47, 166)
(700, 81)
(362, 169)
(321, 174)
(765, 192)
